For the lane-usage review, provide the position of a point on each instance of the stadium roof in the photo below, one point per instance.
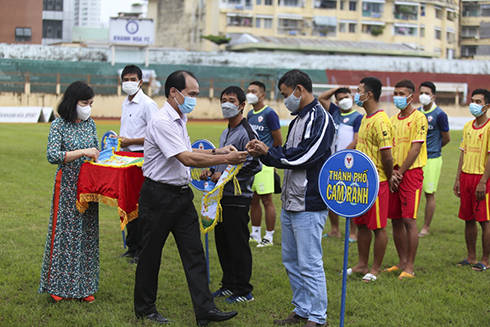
(251, 43)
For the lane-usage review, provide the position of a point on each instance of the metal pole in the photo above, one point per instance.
(207, 255)
(344, 273)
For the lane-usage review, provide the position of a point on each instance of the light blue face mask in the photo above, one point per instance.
(401, 102)
(292, 102)
(476, 110)
(357, 99)
(188, 105)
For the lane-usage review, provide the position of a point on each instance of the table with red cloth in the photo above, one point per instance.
(116, 186)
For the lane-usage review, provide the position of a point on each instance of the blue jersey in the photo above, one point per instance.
(345, 126)
(263, 122)
(438, 123)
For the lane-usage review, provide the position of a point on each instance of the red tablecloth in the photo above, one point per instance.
(118, 187)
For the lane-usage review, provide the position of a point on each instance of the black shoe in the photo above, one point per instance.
(156, 317)
(215, 315)
(134, 260)
(127, 254)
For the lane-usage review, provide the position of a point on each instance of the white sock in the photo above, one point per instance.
(269, 234)
(256, 232)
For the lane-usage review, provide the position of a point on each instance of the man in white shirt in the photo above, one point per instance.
(137, 110)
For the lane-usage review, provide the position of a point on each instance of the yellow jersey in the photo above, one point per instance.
(375, 134)
(475, 145)
(408, 130)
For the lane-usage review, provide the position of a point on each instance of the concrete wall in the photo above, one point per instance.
(109, 106)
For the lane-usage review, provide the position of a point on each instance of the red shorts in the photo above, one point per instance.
(469, 208)
(404, 203)
(377, 216)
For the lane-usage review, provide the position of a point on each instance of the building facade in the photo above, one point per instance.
(422, 28)
(475, 29)
(21, 22)
(58, 21)
(87, 13)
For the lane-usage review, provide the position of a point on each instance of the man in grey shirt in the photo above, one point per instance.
(165, 203)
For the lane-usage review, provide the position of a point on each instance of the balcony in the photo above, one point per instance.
(372, 8)
(406, 11)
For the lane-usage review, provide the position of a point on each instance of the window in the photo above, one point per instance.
(268, 2)
(468, 50)
(342, 5)
(438, 34)
(53, 5)
(422, 10)
(352, 5)
(326, 4)
(289, 3)
(342, 28)
(267, 23)
(406, 30)
(485, 10)
(258, 2)
(438, 13)
(406, 12)
(450, 37)
(469, 31)
(245, 21)
(257, 22)
(422, 32)
(324, 31)
(451, 15)
(52, 29)
(23, 34)
(352, 27)
(371, 9)
(471, 10)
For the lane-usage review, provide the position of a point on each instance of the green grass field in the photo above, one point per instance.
(441, 294)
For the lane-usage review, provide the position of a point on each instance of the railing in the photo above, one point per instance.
(18, 82)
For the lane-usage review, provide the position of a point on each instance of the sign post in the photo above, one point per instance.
(349, 185)
(199, 185)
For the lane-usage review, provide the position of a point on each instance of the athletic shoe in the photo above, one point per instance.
(239, 299)
(253, 239)
(222, 292)
(265, 242)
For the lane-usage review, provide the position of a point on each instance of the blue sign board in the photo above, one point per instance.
(107, 141)
(196, 172)
(349, 183)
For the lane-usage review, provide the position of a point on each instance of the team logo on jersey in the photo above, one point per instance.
(260, 119)
(430, 118)
(348, 160)
(346, 120)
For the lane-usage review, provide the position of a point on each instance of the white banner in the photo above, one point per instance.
(25, 114)
(131, 31)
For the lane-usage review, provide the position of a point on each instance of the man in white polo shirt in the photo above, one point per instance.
(165, 204)
(137, 110)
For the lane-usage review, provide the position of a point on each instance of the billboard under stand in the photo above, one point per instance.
(130, 31)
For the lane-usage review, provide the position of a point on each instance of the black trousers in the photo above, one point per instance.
(232, 243)
(134, 237)
(164, 209)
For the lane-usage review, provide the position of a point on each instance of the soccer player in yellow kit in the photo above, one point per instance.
(410, 155)
(374, 139)
(472, 180)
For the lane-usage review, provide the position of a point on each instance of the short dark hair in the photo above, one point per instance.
(373, 85)
(177, 80)
(406, 83)
(236, 91)
(132, 69)
(294, 78)
(341, 90)
(430, 85)
(260, 85)
(484, 92)
(75, 92)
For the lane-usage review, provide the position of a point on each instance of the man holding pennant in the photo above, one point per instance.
(165, 203)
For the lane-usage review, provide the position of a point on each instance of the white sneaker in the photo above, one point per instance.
(265, 242)
(253, 239)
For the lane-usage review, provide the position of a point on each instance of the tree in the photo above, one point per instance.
(217, 39)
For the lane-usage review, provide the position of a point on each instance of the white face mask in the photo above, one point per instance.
(130, 88)
(83, 112)
(252, 98)
(425, 99)
(346, 104)
(229, 109)
(292, 102)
